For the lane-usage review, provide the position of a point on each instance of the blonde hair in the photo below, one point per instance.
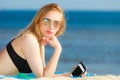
(33, 26)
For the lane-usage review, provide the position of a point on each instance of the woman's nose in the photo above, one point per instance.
(51, 25)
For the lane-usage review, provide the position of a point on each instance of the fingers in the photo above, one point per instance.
(74, 67)
(43, 42)
(52, 41)
(84, 74)
(48, 40)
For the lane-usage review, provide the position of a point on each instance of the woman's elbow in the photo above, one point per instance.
(44, 75)
(48, 74)
(39, 75)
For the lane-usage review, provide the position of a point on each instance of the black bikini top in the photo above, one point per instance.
(19, 62)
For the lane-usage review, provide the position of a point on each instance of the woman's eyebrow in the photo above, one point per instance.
(52, 19)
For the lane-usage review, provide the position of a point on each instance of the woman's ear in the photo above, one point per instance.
(37, 23)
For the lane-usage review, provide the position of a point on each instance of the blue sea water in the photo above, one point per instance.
(90, 36)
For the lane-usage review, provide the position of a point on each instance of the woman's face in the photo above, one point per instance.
(50, 23)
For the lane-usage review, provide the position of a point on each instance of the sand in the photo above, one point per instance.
(105, 77)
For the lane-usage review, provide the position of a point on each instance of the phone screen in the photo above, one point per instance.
(79, 70)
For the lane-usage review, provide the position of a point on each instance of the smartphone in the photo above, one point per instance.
(80, 69)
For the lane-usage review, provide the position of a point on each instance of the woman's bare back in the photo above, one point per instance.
(6, 65)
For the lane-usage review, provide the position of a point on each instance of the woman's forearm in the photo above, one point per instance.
(64, 75)
(52, 64)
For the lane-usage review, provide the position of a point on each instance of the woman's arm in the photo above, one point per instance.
(31, 51)
(64, 74)
(52, 64)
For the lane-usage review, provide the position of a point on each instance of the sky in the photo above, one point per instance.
(102, 5)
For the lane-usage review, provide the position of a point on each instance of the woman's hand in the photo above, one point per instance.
(74, 67)
(52, 41)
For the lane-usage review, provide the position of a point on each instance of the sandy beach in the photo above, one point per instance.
(105, 77)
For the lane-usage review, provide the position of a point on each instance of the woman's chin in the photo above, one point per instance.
(47, 35)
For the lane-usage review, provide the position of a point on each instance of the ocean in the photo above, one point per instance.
(91, 37)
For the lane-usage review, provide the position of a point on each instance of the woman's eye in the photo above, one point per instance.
(56, 24)
(46, 21)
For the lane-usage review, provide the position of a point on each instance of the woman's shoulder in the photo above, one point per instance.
(28, 39)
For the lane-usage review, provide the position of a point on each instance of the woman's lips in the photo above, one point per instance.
(49, 32)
